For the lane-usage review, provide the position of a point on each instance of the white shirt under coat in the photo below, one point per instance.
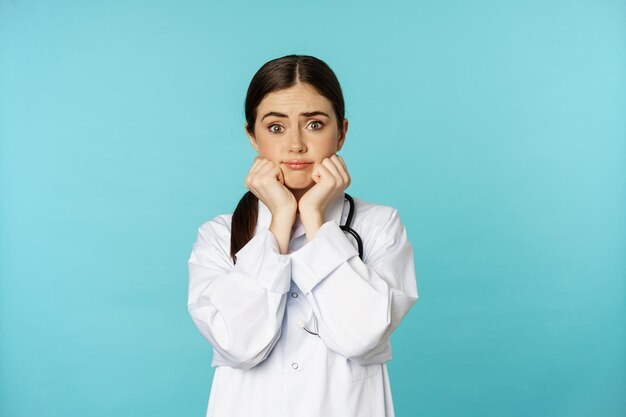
(253, 313)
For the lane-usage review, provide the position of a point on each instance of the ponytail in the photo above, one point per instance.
(243, 223)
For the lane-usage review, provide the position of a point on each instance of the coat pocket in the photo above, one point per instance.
(345, 371)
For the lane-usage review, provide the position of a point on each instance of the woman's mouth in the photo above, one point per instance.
(297, 165)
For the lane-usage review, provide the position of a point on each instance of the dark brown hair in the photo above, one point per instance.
(274, 75)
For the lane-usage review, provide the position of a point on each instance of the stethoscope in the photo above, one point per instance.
(346, 228)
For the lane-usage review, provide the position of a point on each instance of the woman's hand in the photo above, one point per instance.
(265, 180)
(332, 178)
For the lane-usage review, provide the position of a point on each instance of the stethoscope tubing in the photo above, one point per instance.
(346, 227)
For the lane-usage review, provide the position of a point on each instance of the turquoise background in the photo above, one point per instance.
(497, 129)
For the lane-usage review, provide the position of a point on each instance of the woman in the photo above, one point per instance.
(299, 322)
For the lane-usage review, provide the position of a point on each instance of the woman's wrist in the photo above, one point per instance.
(281, 226)
(312, 221)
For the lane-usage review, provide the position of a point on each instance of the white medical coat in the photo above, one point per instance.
(253, 313)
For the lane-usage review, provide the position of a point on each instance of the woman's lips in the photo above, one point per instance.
(294, 165)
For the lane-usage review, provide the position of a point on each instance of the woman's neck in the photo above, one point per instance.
(298, 193)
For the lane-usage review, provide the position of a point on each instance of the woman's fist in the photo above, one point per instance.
(331, 178)
(266, 180)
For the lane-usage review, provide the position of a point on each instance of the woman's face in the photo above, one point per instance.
(297, 123)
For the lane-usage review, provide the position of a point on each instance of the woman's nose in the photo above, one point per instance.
(296, 141)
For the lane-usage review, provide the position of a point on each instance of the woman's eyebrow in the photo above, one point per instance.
(305, 114)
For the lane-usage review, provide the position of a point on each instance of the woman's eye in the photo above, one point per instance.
(271, 127)
(317, 123)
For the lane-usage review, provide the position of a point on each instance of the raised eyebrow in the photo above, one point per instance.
(305, 114)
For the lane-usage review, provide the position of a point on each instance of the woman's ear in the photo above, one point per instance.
(342, 135)
(253, 141)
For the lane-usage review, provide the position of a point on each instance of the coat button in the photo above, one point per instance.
(294, 294)
(294, 365)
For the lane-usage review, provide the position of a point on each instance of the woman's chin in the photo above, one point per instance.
(299, 185)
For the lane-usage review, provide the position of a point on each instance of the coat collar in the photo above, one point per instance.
(333, 212)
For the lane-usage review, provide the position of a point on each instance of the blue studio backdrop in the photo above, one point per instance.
(497, 130)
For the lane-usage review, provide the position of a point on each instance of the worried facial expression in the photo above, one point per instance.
(297, 124)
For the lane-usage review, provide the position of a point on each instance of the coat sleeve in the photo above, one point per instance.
(238, 308)
(357, 305)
